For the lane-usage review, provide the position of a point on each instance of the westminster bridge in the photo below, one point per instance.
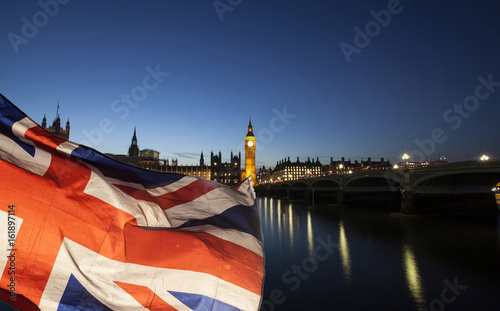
(453, 188)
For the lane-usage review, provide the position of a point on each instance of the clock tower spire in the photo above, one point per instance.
(250, 153)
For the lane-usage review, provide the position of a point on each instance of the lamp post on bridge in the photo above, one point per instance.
(484, 159)
(405, 158)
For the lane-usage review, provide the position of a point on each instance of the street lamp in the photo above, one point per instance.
(405, 158)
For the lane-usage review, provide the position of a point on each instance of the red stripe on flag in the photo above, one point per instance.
(196, 251)
(145, 297)
(43, 138)
(183, 195)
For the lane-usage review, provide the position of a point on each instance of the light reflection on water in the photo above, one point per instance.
(413, 278)
(382, 261)
(344, 253)
(310, 234)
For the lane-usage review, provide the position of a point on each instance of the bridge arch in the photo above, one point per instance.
(458, 191)
(459, 181)
(325, 190)
(298, 190)
(372, 184)
(283, 189)
(373, 191)
(325, 183)
(274, 189)
(299, 184)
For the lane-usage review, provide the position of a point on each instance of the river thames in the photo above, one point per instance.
(331, 257)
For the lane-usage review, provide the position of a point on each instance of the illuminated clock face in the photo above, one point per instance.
(250, 143)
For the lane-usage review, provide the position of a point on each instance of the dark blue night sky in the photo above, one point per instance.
(319, 78)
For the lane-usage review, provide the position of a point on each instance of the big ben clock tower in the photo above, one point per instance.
(250, 154)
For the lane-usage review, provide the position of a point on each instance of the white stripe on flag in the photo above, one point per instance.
(237, 237)
(156, 191)
(67, 147)
(210, 204)
(147, 214)
(12, 152)
(20, 127)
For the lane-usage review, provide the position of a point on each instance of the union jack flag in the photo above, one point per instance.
(81, 231)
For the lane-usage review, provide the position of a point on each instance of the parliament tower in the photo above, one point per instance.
(56, 128)
(250, 154)
(133, 151)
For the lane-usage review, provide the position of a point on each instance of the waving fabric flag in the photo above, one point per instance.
(80, 231)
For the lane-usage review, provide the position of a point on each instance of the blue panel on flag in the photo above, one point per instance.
(200, 302)
(239, 217)
(76, 297)
(9, 113)
(28, 148)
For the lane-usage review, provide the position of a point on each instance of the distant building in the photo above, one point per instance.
(264, 175)
(413, 164)
(288, 170)
(56, 128)
(202, 170)
(133, 151)
(343, 167)
(228, 173)
(440, 162)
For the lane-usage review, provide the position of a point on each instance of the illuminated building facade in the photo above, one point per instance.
(288, 170)
(343, 167)
(250, 154)
(264, 175)
(228, 173)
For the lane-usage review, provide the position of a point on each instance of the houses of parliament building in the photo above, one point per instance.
(228, 173)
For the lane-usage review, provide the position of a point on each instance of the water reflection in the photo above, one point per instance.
(413, 278)
(344, 253)
(280, 234)
(393, 256)
(271, 218)
(290, 226)
(310, 236)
